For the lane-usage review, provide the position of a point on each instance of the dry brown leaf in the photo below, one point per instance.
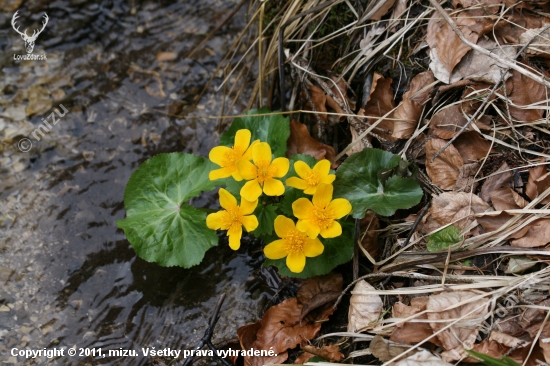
(507, 199)
(462, 333)
(496, 181)
(301, 142)
(280, 329)
(318, 294)
(383, 10)
(445, 169)
(465, 181)
(539, 181)
(412, 332)
(535, 234)
(319, 100)
(471, 146)
(383, 350)
(489, 348)
(506, 339)
(487, 4)
(456, 208)
(525, 92)
(331, 353)
(422, 358)
(540, 42)
(380, 102)
(364, 310)
(341, 91)
(491, 222)
(446, 123)
(510, 31)
(369, 241)
(359, 145)
(409, 110)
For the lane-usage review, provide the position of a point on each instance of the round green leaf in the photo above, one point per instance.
(158, 223)
(273, 129)
(358, 180)
(337, 251)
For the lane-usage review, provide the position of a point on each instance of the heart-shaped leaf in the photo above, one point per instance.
(363, 180)
(158, 223)
(273, 129)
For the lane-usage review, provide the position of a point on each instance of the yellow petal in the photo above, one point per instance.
(310, 190)
(261, 151)
(235, 233)
(248, 154)
(219, 173)
(280, 166)
(340, 207)
(236, 175)
(302, 169)
(309, 227)
(283, 226)
(250, 223)
(322, 167)
(302, 208)
(227, 200)
(217, 154)
(332, 231)
(313, 247)
(323, 195)
(296, 262)
(247, 207)
(275, 250)
(247, 170)
(251, 190)
(296, 183)
(242, 140)
(274, 187)
(328, 179)
(216, 220)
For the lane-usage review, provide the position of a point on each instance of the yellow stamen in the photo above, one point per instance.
(265, 170)
(312, 178)
(294, 242)
(324, 217)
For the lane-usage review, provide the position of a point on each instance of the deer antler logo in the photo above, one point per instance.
(29, 40)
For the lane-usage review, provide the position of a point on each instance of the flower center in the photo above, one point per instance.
(324, 217)
(231, 157)
(294, 242)
(312, 178)
(232, 217)
(265, 170)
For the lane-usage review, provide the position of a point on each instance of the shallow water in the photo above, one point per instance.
(69, 278)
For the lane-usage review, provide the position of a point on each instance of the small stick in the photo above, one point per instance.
(415, 224)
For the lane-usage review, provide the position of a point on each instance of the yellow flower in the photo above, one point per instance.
(261, 174)
(319, 215)
(311, 178)
(227, 157)
(294, 245)
(233, 218)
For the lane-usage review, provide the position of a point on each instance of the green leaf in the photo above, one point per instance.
(266, 216)
(234, 187)
(158, 223)
(357, 180)
(337, 251)
(291, 195)
(443, 239)
(273, 129)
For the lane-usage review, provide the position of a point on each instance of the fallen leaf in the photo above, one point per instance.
(330, 353)
(444, 170)
(422, 358)
(280, 329)
(519, 264)
(412, 332)
(517, 22)
(301, 142)
(487, 4)
(359, 145)
(383, 10)
(380, 102)
(491, 222)
(340, 89)
(456, 208)
(318, 98)
(506, 339)
(507, 199)
(369, 234)
(408, 112)
(536, 234)
(444, 309)
(489, 348)
(538, 182)
(539, 39)
(471, 146)
(364, 310)
(524, 93)
(446, 123)
(319, 293)
(501, 178)
(384, 350)
(465, 181)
